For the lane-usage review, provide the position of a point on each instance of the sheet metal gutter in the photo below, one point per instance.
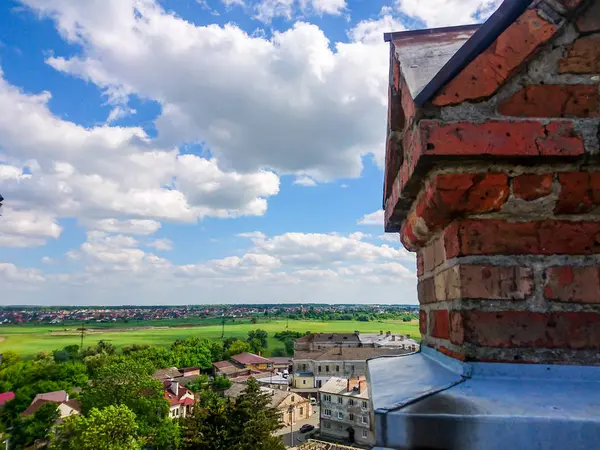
(427, 400)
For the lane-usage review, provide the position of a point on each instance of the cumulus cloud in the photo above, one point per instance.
(200, 76)
(305, 181)
(13, 274)
(440, 13)
(161, 244)
(123, 226)
(27, 228)
(118, 113)
(333, 7)
(374, 218)
(107, 171)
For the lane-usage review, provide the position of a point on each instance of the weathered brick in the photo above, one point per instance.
(501, 138)
(439, 324)
(570, 4)
(482, 77)
(457, 329)
(426, 291)
(553, 101)
(423, 322)
(532, 186)
(583, 56)
(495, 283)
(589, 21)
(520, 329)
(451, 353)
(573, 284)
(447, 284)
(420, 264)
(580, 192)
(499, 237)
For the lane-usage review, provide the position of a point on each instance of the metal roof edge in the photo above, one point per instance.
(388, 37)
(489, 31)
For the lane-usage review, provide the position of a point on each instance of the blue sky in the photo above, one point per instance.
(200, 151)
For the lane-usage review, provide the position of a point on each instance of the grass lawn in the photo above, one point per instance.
(30, 339)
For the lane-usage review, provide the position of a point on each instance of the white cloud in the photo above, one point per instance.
(253, 235)
(113, 171)
(333, 7)
(390, 237)
(233, 2)
(440, 13)
(267, 10)
(11, 273)
(161, 244)
(118, 113)
(305, 181)
(374, 218)
(27, 228)
(123, 226)
(200, 75)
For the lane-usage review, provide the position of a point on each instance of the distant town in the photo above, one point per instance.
(66, 314)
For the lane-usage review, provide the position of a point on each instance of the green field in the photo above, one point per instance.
(31, 339)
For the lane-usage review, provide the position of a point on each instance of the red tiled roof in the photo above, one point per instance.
(176, 399)
(56, 396)
(250, 358)
(6, 397)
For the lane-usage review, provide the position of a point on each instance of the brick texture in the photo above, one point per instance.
(499, 237)
(423, 322)
(439, 324)
(532, 186)
(573, 284)
(580, 192)
(589, 21)
(522, 329)
(553, 101)
(490, 70)
(501, 138)
(583, 56)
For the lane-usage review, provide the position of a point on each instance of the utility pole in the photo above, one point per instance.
(82, 335)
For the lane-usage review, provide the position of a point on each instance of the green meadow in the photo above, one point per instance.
(28, 339)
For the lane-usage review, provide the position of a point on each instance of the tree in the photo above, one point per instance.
(113, 427)
(279, 351)
(128, 383)
(246, 424)
(253, 420)
(258, 340)
(289, 347)
(237, 347)
(26, 430)
(221, 383)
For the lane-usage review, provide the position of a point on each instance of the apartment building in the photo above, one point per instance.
(346, 410)
(320, 366)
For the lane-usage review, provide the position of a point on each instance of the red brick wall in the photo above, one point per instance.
(498, 192)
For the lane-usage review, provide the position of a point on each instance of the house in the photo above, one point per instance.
(282, 363)
(273, 380)
(6, 397)
(252, 361)
(346, 410)
(292, 406)
(344, 362)
(65, 406)
(323, 341)
(166, 374)
(228, 369)
(388, 339)
(181, 399)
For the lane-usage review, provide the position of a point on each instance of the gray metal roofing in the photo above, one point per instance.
(485, 35)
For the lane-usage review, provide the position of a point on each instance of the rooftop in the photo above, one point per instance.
(250, 358)
(339, 386)
(348, 354)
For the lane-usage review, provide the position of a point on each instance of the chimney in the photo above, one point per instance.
(362, 385)
(175, 387)
(357, 333)
(508, 245)
(393, 337)
(493, 178)
(388, 333)
(380, 332)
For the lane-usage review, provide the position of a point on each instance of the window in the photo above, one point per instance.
(351, 417)
(364, 419)
(365, 434)
(352, 369)
(327, 412)
(319, 369)
(340, 415)
(364, 405)
(303, 381)
(340, 426)
(293, 398)
(326, 368)
(351, 402)
(337, 368)
(327, 424)
(327, 398)
(340, 400)
(301, 411)
(303, 367)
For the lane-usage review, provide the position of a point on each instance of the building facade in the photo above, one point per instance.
(346, 411)
(343, 362)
